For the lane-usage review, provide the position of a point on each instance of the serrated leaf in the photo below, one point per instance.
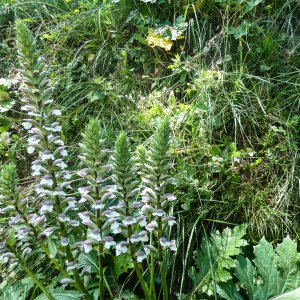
(122, 264)
(288, 265)
(266, 264)
(216, 257)
(228, 291)
(245, 272)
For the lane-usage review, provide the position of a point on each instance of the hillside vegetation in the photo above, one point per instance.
(171, 143)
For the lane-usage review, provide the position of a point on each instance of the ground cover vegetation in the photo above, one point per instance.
(149, 149)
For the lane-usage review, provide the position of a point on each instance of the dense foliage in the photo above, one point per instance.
(134, 136)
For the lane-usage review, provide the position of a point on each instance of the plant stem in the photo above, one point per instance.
(152, 270)
(32, 276)
(163, 275)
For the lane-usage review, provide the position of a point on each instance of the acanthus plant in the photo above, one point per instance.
(121, 208)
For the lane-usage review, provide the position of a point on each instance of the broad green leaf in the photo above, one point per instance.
(293, 295)
(18, 290)
(245, 272)
(266, 264)
(215, 259)
(229, 291)
(89, 259)
(288, 265)
(61, 294)
(121, 264)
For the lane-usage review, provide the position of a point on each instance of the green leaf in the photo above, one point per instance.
(288, 265)
(266, 264)
(89, 259)
(61, 294)
(215, 259)
(293, 295)
(122, 264)
(11, 240)
(52, 248)
(228, 291)
(18, 290)
(245, 272)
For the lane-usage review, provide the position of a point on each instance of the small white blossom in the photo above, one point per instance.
(56, 112)
(47, 207)
(121, 248)
(95, 235)
(135, 238)
(164, 242)
(109, 242)
(46, 155)
(129, 221)
(64, 241)
(158, 213)
(151, 226)
(173, 246)
(140, 256)
(143, 236)
(63, 218)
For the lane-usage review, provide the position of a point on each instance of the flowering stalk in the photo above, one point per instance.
(19, 244)
(128, 209)
(155, 177)
(45, 140)
(96, 193)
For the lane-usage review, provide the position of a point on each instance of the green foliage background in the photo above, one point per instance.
(226, 73)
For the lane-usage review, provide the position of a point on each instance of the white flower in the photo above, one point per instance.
(88, 245)
(95, 235)
(142, 221)
(109, 242)
(84, 216)
(173, 246)
(129, 221)
(140, 256)
(152, 225)
(135, 238)
(30, 149)
(70, 265)
(47, 207)
(27, 125)
(148, 249)
(121, 248)
(59, 192)
(47, 181)
(36, 167)
(49, 231)
(74, 223)
(164, 242)
(60, 163)
(143, 236)
(56, 112)
(98, 205)
(47, 155)
(158, 213)
(115, 227)
(64, 241)
(170, 219)
(82, 173)
(63, 218)
(111, 213)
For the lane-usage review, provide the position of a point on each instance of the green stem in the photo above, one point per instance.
(163, 275)
(32, 276)
(152, 270)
